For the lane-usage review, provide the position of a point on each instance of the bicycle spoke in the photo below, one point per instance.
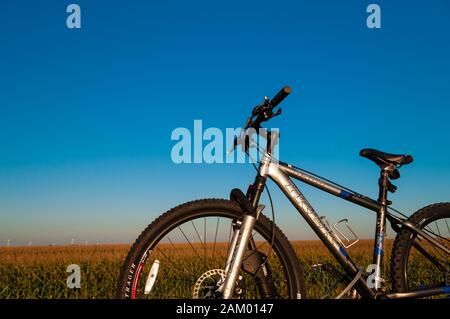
(204, 237)
(170, 241)
(175, 267)
(198, 235)
(426, 229)
(172, 244)
(190, 244)
(437, 227)
(215, 237)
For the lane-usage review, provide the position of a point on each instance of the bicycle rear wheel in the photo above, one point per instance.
(182, 254)
(416, 263)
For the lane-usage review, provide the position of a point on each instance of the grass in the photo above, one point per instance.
(40, 272)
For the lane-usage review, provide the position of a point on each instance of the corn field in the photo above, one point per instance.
(40, 272)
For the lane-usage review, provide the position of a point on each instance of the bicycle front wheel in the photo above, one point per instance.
(183, 253)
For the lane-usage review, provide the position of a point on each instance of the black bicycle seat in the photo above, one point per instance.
(382, 158)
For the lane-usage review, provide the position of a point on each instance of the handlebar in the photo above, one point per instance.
(277, 99)
(261, 113)
(264, 111)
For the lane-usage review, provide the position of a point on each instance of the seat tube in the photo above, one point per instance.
(380, 231)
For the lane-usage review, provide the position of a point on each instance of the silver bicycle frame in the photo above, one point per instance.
(281, 173)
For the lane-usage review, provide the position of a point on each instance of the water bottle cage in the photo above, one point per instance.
(347, 237)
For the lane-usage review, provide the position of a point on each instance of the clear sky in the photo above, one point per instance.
(86, 114)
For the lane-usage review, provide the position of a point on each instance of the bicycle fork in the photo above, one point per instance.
(239, 243)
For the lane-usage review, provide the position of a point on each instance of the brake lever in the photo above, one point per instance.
(267, 115)
(278, 112)
(261, 107)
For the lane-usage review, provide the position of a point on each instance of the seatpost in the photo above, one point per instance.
(380, 231)
(383, 183)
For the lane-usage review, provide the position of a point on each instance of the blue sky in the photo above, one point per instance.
(86, 115)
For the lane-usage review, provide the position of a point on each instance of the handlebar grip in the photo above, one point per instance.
(280, 96)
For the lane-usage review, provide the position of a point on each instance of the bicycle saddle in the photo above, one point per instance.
(382, 158)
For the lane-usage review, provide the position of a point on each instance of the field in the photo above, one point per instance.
(40, 272)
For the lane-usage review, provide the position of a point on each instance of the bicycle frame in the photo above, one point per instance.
(281, 174)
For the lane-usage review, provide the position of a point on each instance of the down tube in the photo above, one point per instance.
(312, 218)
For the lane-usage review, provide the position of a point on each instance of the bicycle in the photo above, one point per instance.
(251, 257)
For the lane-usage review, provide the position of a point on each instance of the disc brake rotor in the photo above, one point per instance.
(207, 284)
